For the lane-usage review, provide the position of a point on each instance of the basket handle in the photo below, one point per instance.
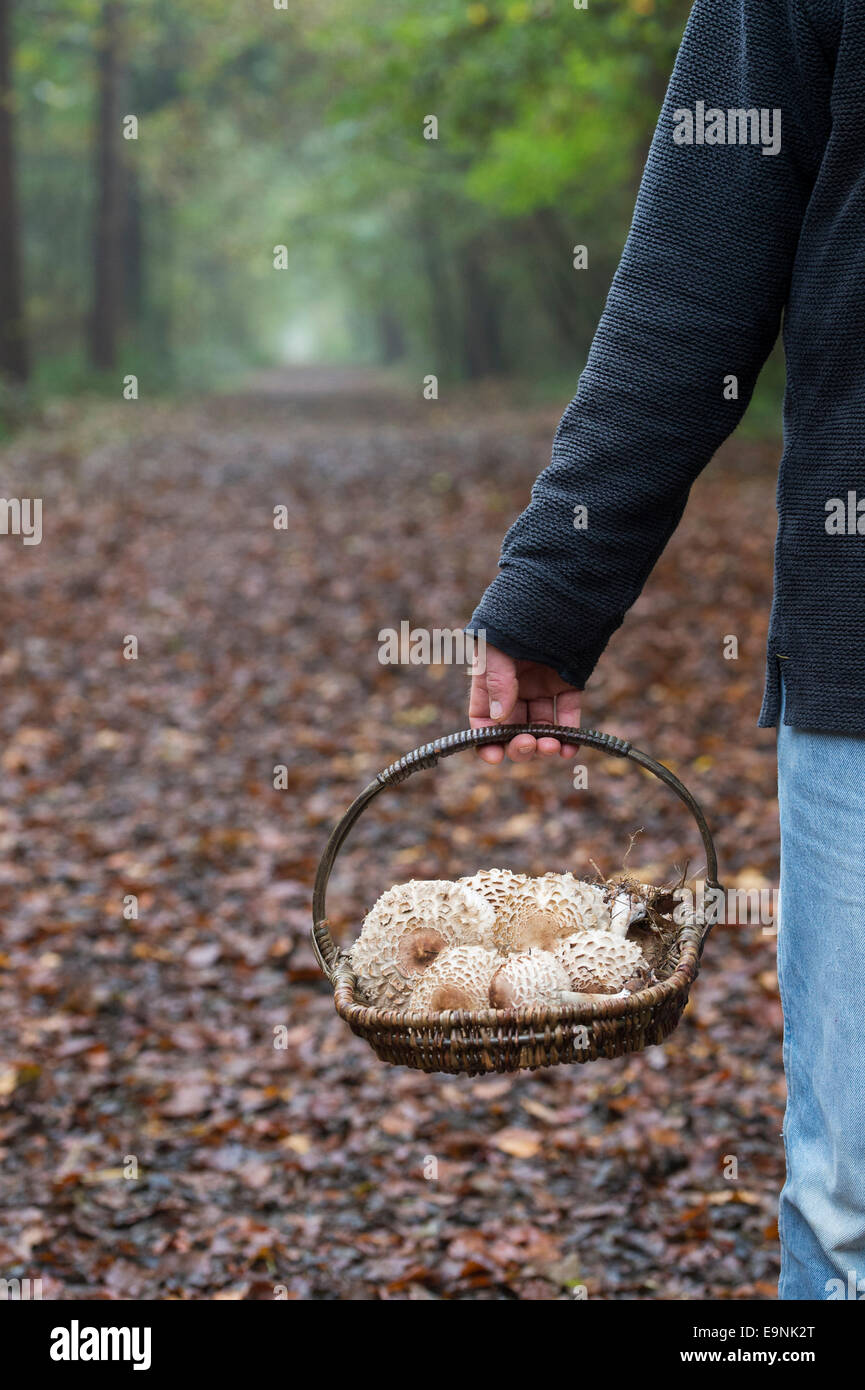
(327, 953)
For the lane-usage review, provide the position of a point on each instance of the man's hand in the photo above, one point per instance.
(522, 692)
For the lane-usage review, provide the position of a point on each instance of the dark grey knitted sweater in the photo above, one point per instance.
(725, 239)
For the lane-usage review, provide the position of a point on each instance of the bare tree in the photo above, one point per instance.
(107, 309)
(13, 333)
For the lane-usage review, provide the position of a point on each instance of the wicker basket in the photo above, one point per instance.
(495, 1040)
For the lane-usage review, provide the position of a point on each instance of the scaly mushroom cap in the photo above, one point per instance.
(532, 977)
(596, 907)
(545, 910)
(597, 962)
(498, 887)
(408, 928)
(458, 979)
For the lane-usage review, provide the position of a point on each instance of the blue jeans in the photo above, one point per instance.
(821, 969)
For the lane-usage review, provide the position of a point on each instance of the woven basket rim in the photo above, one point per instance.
(369, 1017)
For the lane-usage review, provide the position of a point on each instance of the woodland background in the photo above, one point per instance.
(153, 1141)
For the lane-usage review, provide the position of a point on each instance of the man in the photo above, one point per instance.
(752, 205)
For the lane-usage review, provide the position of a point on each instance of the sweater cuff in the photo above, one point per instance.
(522, 615)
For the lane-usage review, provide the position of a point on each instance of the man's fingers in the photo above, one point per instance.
(568, 712)
(564, 710)
(568, 708)
(479, 705)
(522, 748)
(500, 679)
(540, 711)
(494, 699)
(491, 753)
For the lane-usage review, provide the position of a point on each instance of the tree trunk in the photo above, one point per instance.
(443, 333)
(158, 318)
(559, 280)
(482, 342)
(108, 229)
(13, 337)
(132, 248)
(391, 338)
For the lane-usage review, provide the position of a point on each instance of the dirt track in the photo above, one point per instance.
(147, 1045)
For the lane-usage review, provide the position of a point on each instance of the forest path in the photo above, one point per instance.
(154, 1141)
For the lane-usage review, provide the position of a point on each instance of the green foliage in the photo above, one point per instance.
(304, 127)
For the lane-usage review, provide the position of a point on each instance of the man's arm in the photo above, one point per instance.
(697, 299)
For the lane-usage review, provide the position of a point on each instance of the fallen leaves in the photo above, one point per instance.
(190, 1098)
(519, 1143)
(154, 1142)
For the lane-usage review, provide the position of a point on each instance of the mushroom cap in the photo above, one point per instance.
(498, 887)
(458, 979)
(547, 909)
(408, 928)
(530, 977)
(495, 885)
(598, 962)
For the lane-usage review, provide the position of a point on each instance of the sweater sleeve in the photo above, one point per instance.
(697, 299)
